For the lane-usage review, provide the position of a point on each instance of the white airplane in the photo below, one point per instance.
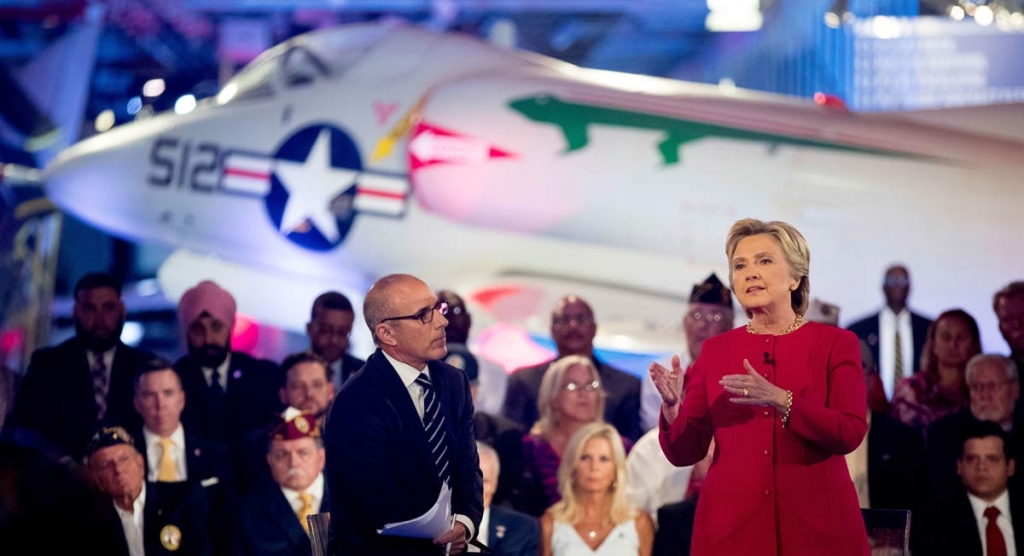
(345, 154)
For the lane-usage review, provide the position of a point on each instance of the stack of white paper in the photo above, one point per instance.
(432, 524)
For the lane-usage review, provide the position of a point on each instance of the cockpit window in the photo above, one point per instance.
(254, 81)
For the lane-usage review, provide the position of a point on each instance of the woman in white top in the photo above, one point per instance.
(594, 516)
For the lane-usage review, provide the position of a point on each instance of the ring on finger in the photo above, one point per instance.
(746, 393)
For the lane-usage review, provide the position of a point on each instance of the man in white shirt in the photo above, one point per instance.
(984, 518)
(895, 335)
(157, 518)
(273, 516)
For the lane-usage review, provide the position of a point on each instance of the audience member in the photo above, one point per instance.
(273, 516)
(306, 385)
(408, 430)
(895, 335)
(71, 389)
(594, 515)
(573, 329)
(886, 468)
(994, 386)
(504, 531)
(489, 393)
(329, 327)
(571, 396)
(506, 437)
(709, 314)
(939, 388)
(170, 455)
(1008, 304)
(156, 518)
(229, 393)
(675, 529)
(651, 480)
(822, 311)
(983, 517)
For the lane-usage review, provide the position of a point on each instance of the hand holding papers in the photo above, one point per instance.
(432, 524)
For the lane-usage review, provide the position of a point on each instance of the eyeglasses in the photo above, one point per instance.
(592, 386)
(897, 282)
(707, 317)
(578, 320)
(983, 387)
(424, 315)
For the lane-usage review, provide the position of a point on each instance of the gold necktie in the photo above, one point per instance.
(306, 510)
(898, 367)
(166, 471)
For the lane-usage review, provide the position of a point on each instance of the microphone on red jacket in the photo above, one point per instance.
(768, 359)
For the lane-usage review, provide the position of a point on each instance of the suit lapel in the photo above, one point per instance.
(282, 515)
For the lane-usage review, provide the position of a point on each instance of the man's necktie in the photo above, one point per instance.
(305, 510)
(99, 385)
(993, 536)
(166, 471)
(897, 373)
(433, 423)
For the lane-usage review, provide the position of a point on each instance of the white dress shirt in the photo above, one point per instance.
(132, 524)
(316, 490)
(493, 384)
(154, 452)
(408, 375)
(888, 322)
(651, 480)
(485, 526)
(222, 373)
(1004, 521)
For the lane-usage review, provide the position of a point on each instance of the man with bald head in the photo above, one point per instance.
(401, 428)
(573, 328)
(895, 335)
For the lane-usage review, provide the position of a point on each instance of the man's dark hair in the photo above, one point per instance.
(1013, 289)
(299, 358)
(335, 301)
(153, 365)
(95, 280)
(985, 429)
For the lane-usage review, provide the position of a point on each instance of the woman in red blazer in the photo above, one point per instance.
(784, 400)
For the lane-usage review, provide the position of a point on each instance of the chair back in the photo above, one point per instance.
(888, 531)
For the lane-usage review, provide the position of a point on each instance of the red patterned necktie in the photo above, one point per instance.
(993, 536)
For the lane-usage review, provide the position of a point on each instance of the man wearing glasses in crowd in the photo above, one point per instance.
(408, 430)
(573, 329)
(328, 329)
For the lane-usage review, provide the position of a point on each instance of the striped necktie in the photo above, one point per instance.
(433, 424)
(100, 384)
(898, 373)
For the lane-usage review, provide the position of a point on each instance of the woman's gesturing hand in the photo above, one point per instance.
(754, 389)
(670, 386)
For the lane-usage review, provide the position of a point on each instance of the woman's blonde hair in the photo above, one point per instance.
(568, 509)
(551, 387)
(794, 249)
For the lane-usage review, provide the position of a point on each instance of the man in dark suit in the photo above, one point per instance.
(172, 455)
(950, 526)
(229, 393)
(994, 388)
(155, 518)
(506, 532)
(573, 329)
(329, 327)
(71, 389)
(401, 428)
(894, 322)
(272, 520)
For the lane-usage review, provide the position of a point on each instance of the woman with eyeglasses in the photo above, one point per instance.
(570, 397)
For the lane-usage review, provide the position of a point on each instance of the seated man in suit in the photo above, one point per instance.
(981, 517)
(272, 521)
(172, 455)
(401, 429)
(306, 385)
(504, 531)
(573, 329)
(156, 518)
(329, 326)
(71, 389)
(229, 393)
(994, 388)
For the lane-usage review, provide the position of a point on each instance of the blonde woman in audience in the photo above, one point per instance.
(594, 516)
(571, 395)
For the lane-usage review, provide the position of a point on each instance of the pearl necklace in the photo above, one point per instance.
(796, 324)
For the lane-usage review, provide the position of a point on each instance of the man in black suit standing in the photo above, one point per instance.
(895, 335)
(401, 428)
(506, 532)
(329, 327)
(573, 329)
(983, 517)
(172, 455)
(71, 389)
(229, 393)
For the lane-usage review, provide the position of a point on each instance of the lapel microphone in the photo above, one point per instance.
(768, 359)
